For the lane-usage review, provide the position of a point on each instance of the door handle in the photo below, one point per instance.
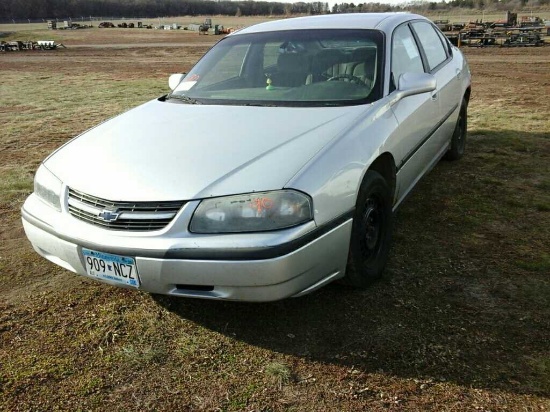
(458, 73)
(435, 96)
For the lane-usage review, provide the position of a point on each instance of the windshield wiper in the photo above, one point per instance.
(260, 104)
(183, 98)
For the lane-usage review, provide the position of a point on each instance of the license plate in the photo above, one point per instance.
(120, 269)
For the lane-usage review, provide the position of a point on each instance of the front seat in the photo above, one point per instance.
(292, 70)
(364, 65)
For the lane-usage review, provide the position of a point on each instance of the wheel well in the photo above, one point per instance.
(467, 95)
(385, 165)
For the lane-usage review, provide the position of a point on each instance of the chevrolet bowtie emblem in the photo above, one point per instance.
(108, 215)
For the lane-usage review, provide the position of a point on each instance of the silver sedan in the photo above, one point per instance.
(271, 169)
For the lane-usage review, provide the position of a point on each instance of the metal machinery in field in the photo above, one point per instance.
(508, 32)
(29, 45)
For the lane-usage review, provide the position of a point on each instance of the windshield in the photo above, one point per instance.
(288, 68)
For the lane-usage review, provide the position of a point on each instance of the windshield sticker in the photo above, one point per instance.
(185, 85)
(410, 47)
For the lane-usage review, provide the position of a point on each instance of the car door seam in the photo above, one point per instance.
(426, 138)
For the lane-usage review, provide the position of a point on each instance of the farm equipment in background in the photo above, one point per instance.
(124, 25)
(67, 25)
(511, 20)
(106, 25)
(523, 39)
(12, 46)
(508, 32)
(509, 38)
(207, 28)
(531, 21)
(29, 45)
(443, 25)
(204, 27)
(48, 45)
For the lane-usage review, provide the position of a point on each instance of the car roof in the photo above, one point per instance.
(381, 21)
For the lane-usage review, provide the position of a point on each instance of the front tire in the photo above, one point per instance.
(458, 141)
(371, 232)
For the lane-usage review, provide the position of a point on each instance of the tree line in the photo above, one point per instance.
(419, 6)
(52, 9)
(21, 10)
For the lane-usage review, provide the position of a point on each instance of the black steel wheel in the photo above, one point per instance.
(371, 232)
(458, 141)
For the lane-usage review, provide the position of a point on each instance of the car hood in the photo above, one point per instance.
(171, 151)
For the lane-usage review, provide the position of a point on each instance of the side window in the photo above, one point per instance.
(431, 43)
(445, 42)
(405, 55)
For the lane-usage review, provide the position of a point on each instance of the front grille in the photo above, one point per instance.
(130, 216)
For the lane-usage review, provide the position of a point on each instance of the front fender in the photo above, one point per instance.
(334, 175)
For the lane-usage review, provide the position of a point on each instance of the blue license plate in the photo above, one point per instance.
(120, 269)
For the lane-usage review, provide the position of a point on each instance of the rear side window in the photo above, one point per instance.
(431, 43)
(445, 42)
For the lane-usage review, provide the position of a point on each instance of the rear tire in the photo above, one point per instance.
(458, 141)
(371, 232)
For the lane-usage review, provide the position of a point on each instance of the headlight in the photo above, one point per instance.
(48, 187)
(253, 212)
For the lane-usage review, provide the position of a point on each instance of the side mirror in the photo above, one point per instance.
(175, 79)
(415, 83)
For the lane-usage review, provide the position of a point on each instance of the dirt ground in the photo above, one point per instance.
(460, 323)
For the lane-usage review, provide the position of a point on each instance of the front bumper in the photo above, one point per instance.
(248, 267)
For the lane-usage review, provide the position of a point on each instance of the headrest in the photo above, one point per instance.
(364, 54)
(292, 63)
(328, 58)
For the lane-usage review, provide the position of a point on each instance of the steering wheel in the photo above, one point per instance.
(349, 77)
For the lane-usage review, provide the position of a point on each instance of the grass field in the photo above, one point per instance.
(460, 323)
(459, 15)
